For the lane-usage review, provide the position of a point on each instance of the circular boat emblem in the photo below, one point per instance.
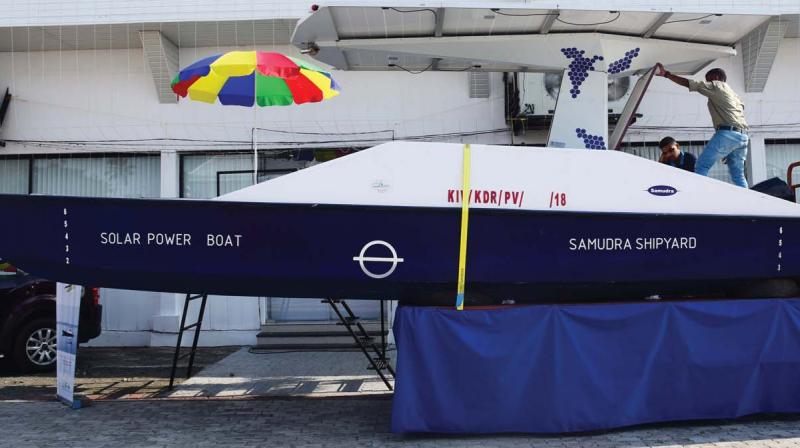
(362, 259)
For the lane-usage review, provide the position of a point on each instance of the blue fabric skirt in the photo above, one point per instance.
(569, 368)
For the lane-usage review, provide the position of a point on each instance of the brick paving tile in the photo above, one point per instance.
(321, 423)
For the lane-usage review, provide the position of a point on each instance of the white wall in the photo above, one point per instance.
(61, 12)
(668, 104)
(109, 94)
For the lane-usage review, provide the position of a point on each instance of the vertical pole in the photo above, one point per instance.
(383, 331)
(254, 138)
(462, 253)
(757, 160)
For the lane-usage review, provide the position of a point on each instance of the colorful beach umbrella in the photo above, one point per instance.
(244, 78)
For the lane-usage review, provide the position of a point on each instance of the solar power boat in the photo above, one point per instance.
(544, 224)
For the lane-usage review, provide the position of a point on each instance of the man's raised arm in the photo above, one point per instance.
(660, 71)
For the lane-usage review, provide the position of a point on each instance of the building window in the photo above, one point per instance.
(650, 150)
(781, 154)
(199, 174)
(209, 175)
(14, 175)
(104, 175)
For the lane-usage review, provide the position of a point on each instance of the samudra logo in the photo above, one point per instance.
(662, 190)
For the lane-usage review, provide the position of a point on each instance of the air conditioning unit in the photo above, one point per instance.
(538, 93)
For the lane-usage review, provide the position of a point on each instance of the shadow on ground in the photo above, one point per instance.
(109, 373)
(247, 373)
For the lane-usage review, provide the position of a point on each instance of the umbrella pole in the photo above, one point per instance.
(254, 138)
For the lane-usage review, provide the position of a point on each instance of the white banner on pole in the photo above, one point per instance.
(68, 306)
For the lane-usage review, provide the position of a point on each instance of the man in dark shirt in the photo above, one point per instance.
(672, 155)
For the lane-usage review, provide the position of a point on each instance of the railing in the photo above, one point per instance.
(789, 170)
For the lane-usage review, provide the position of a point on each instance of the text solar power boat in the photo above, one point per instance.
(544, 225)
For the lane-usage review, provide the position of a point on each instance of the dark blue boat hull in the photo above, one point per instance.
(299, 250)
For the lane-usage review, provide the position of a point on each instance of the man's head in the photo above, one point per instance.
(716, 74)
(670, 149)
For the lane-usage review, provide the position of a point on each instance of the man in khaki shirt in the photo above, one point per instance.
(730, 140)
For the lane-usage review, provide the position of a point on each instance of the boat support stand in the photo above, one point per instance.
(196, 326)
(377, 359)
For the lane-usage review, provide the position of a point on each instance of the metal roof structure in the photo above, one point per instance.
(375, 36)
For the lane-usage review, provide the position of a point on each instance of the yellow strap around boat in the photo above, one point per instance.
(462, 253)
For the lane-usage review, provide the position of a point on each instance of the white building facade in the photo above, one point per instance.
(89, 115)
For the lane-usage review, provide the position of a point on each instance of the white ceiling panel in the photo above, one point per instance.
(355, 23)
(360, 29)
(711, 29)
(377, 60)
(615, 22)
(381, 60)
(484, 21)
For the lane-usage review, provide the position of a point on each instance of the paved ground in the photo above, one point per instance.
(109, 373)
(320, 422)
(305, 399)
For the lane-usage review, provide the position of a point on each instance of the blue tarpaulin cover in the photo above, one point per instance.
(569, 368)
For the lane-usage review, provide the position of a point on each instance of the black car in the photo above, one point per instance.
(28, 319)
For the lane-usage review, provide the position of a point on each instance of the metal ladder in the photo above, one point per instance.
(378, 360)
(178, 356)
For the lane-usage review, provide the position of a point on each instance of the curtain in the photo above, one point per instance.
(653, 152)
(779, 157)
(14, 175)
(128, 176)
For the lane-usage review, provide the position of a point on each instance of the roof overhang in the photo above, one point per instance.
(532, 53)
(188, 34)
(417, 36)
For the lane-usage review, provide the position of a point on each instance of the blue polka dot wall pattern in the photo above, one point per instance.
(620, 65)
(579, 68)
(590, 141)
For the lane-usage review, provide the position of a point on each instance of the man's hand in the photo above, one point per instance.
(660, 71)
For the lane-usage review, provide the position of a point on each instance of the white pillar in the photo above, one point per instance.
(170, 176)
(581, 116)
(170, 305)
(757, 160)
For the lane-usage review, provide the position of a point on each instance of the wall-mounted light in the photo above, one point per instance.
(311, 49)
